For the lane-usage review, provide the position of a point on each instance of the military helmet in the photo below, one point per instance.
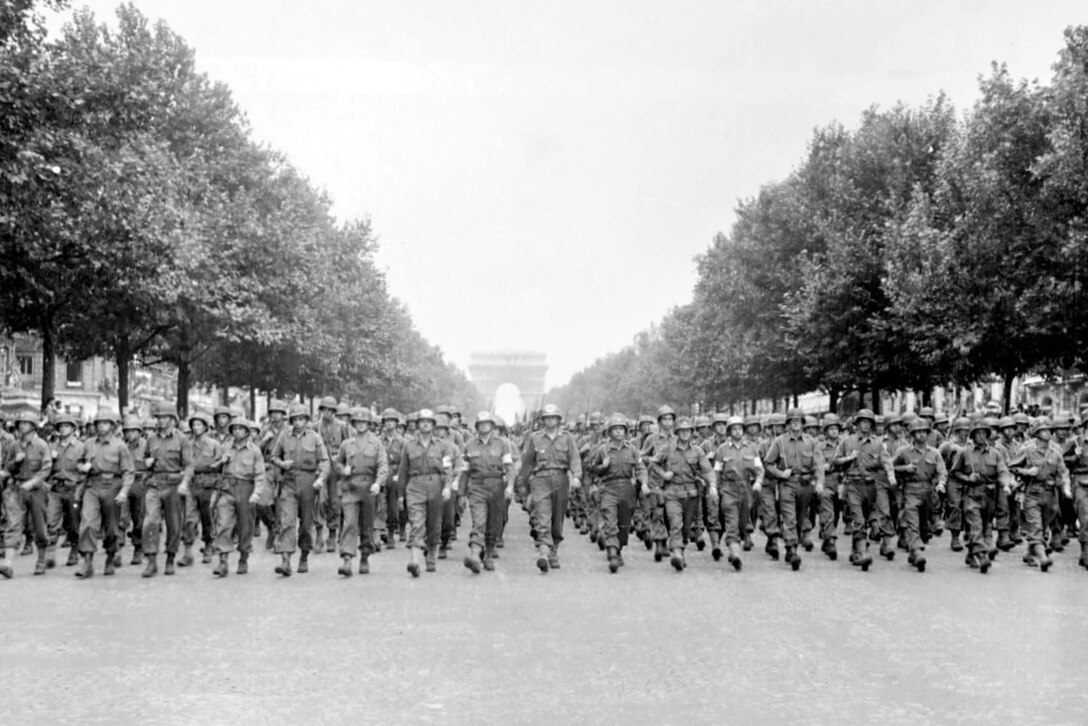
(390, 413)
(149, 424)
(891, 419)
(865, 413)
(484, 417)
(500, 422)
(105, 414)
(343, 409)
(830, 419)
(721, 417)
(298, 411)
(327, 402)
(618, 420)
(551, 411)
(360, 413)
(64, 418)
(776, 419)
(981, 424)
(927, 412)
(991, 422)
(131, 423)
(164, 409)
(595, 418)
(908, 418)
(1063, 420)
(442, 422)
(732, 421)
(425, 414)
(279, 406)
(753, 420)
(941, 418)
(702, 422)
(1006, 422)
(223, 411)
(1021, 418)
(240, 421)
(684, 423)
(1039, 424)
(444, 410)
(411, 417)
(810, 422)
(665, 410)
(794, 413)
(919, 424)
(453, 409)
(201, 417)
(28, 417)
(962, 423)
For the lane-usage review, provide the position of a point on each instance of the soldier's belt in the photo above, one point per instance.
(57, 483)
(230, 481)
(362, 479)
(866, 480)
(486, 477)
(168, 478)
(548, 472)
(102, 478)
(611, 479)
(202, 476)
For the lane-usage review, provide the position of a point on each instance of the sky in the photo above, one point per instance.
(541, 176)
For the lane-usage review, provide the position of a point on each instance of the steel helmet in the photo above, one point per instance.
(201, 417)
(453, 409)
(500, 422)
(919, 424)
(360, 413)
(425, 414)
(1040, 424)
(721, 417)
(1006, 422)
(132, 423)
(149, 424)
(484, 416)
(413, 416)
(927, 412)
(390, 413)
(223, 411)
(810, 422)
(684, 423)
(941, 418)
(830, 419)
(732, 421)
(865, 413)
(277, 405)
(445, 410)
(665, 410)
(63, 418)
(164, 409)
(327, 402)
(776, 419)
(28, 417)
(240, 421)
(908, 417)
(442, 421)
(981, 424)
(618, 420)
(702, 422)
(298, 411)
(1021, 418)
(105, 414)
(1063, 420)
(343, 409)
(794, 413)
(753, 420)
(551, 411)
(891, 419)
(595, 418)
(962, 423)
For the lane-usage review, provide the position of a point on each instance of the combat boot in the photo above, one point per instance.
(86, 569)
(792, 558)
(5, 563)
(613, 560)
(829, 549)
(700, 543)
(223, 567)
(186, 557)
(116, 559)
(443, 551)
(345, 567)
(152, 567)
(771, 547)
(1083, 562)
(413, 561)
(51, 557)
(169, 569)
(748, 542)
(956, 545)
(472, 559)
(887, 549)
(73, 557)
(1057, 542)
(542, 559)
(659, 550)
(40, 565)
(284, 567)
(984, 562)
(111, 565)
(715, 546)
(428, 561)
(489, 560)
(28, 547)
(330, 546)
(137, 557)
(806, 541)
(270, 541)
(860, 554)
(918, 559)
(1004, 542)
(734, 556)
(677, 560)
(619, 556)
(553, 559)
(206, 554)
(319, 540)
(304, 563)
(364, 564)
(243, 563)
(1041, 556)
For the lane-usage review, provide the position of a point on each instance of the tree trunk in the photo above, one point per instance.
(876, 400)
(1006, 392)
(832, 399)
(927, 397)
(49, 362)
(795, 404)
(123, 362)
(252, 403)
(183, 387)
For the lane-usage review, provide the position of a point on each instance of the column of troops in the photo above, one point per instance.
(353, 482)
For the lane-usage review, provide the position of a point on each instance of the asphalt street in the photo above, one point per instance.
(647, 645)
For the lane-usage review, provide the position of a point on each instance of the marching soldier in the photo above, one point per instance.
(921, 473)
(137, 447)
(395, 514)
(450, 505)
(364, 470)
(426, 468)
(207, 461)
(828, 500)
(653, 506)
(740, 473)
(241, 486)
(277, 424)
(953, 505)
(980, 467)
(681, 466)
(25, 477)
(170, 461)
(62, 511)
(550, 468)
(712, 517)
(618, 465)
(863, 460)
(333, 431)
(303, 461)
(110, 474)
(795, 460)
(1043, 471)
(487, 475)
(1078, 470)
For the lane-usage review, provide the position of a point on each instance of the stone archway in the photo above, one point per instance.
(520, 368)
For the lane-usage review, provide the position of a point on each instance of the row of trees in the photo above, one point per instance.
(140, 221)
(922, 248)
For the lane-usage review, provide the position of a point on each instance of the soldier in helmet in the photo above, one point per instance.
(343, 415)
(864, 461)
(364, 468)
(25, 477)
(170, 461)
(1077, 463)
(587, 445)
(653, 506)
(110, 475)
(980, 467)
(487, 476)
(266, 442)
(303, 462)
(1063, 525)
(953, 499)
(426, 468)
(132, 430)
(739, 474)
(712, 515)
(333, 432)
(920, 471)
(618, 466)
(207, 463)
(680, 466)
(794, 458)
(62, 512)
(1043, 471)
(221, 419)
(551, 467)
(450, 504)
(241, 486)
(829, 502)
(396, 518)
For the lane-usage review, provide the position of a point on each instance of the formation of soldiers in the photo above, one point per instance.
(353, 482)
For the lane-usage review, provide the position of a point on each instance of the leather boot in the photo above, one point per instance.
(413, 561)
(428, 561)
(243, 563)
(472, 559)
(5, 562)
(542, 559)
(40, 565)
(186, 557)
(553, 559)
(86, 569)
(51, 557)
(613, 561)
(748, 542)
(111, 564)
(284, 567)
(715, 546)
(223, 567)
(793, 558)
(1083, 562)
(73, 557)
(887, 548)
(443, 551)
(319, 540)
(304, 563)
(734, 556)
(1042, 558)
(677, 559)
(364, 564)
(206, 554)
(152, 567)
(28, 547)
(829, 549)
(806, 542)
(1004, 542)
(956, 545)
(137, 557)
(489, 560)
(169, 569)
(116, 558)
(330, 546)
(346, 568)
(918, 559)
(771, 548)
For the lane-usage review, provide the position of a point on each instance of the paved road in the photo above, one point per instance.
(827, 644)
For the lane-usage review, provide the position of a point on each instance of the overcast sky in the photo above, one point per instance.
(540, 175)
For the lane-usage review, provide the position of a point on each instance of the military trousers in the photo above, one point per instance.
(617, 498)
(234, 515)
(358, 508)
(162, 505)
(1040, 509)
(549, 491)
(794, 502)
(735, 502)
(861, 497)
(681, 506)
(979, 505)
(914, 516)
(99, 516)
(62, 515)
(199, 513)
(424, 498)
(487, 505)
(132, 512)
(295, 513)
(22, 510)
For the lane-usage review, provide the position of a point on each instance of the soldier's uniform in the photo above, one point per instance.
(681, 466)
(207, 463)
(980, 468)
(920, 472)
(426, 467)
(393, 493)
(266, 512)
(171, 467)
(830, 501)
(1043, 470)
(618, 468)
(653, 505)
(487, 475)
(953, 499)
(796, 461)
(304, 469)
(867, 472)
(739, 470)
(108, 482)
(364, 467)
(548, 463)
(132, 517)
(62, 510)
(242, 484)
(450, 504)
(26, 472)
(1078, 471)
(327, 510)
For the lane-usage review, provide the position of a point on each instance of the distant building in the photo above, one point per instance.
(495, 373)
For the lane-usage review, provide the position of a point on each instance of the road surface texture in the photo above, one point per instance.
(828, 644)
